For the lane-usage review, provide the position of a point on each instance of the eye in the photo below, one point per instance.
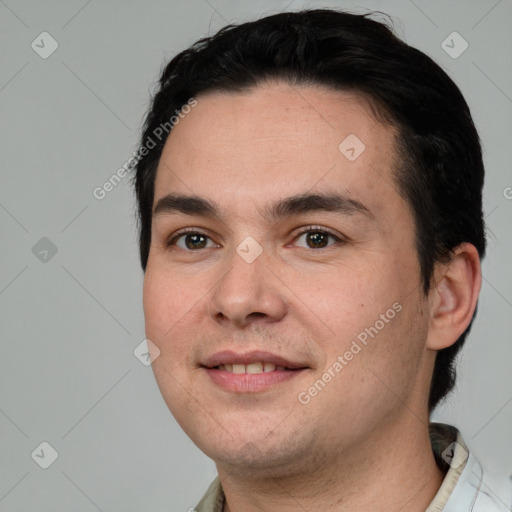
(316, 238)
(191, 241)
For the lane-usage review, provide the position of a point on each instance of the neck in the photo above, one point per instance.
(390, 471)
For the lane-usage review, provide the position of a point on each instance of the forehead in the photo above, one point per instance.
(276, 138)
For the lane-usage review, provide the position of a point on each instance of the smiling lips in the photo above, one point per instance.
(255, 361)
(251, 368)
(250, 372)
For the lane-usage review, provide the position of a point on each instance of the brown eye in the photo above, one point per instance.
(316, 239)
(195, 241)
(192, 241)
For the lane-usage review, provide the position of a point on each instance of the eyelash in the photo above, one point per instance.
(309, 229)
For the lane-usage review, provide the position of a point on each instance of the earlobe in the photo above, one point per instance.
(453, 296)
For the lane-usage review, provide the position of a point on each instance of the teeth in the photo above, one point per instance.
(251, 368)
(254, 368)
(239, 368)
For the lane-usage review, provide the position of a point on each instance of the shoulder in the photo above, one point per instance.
(477, 492)
(466, 487)
(213, 499)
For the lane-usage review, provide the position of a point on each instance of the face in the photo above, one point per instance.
(282, 289)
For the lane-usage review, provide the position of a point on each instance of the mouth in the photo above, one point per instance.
(253, 368)
(250, 372)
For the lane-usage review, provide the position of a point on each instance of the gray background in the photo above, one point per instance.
(70, 321)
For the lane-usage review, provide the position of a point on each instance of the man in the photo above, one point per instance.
(311, 230)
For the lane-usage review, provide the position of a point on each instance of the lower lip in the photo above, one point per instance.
(250, 382)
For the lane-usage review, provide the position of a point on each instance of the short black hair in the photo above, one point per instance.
(439, 170)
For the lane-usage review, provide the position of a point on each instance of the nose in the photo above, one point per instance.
(248, 293)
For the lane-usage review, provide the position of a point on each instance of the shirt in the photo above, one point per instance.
(463, 488)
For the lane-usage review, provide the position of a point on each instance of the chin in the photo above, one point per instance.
(254, 462)
(256, 453)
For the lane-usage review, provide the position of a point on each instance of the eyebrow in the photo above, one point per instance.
(287, 207)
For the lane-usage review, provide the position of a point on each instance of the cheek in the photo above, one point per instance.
(349, 296)
(155, 302)
(166, 300)
(167, 306)
(367, 311)
(375, 368)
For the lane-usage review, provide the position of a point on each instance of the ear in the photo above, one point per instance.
(453, 296)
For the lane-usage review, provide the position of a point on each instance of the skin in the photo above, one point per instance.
(362, 442)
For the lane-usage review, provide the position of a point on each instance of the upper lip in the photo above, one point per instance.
(231, 357)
